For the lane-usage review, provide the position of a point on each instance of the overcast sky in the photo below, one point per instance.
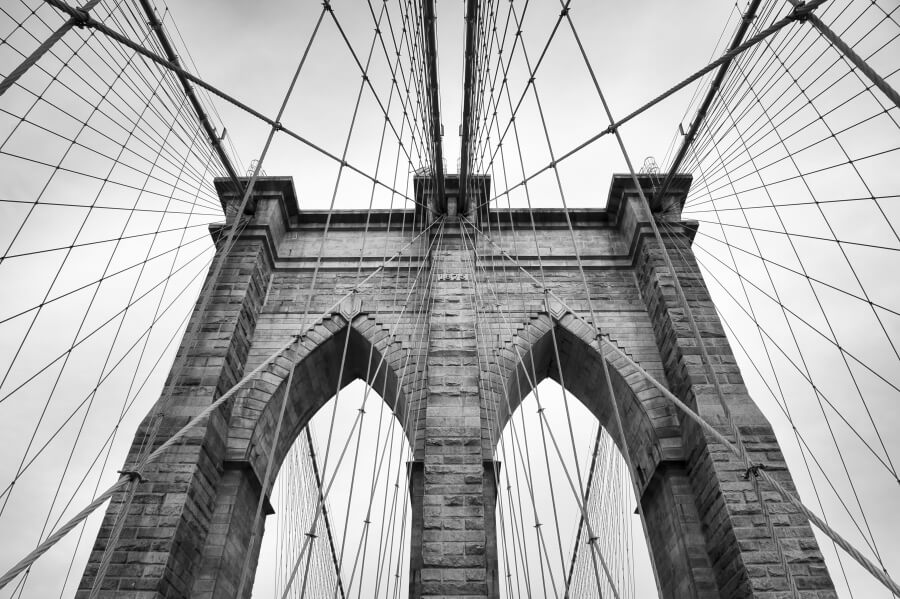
(251, 50)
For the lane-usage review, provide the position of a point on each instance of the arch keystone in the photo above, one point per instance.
(556, 308)
(351, 307)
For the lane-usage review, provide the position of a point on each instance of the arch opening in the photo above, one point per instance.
(567, 352)
(566, 356)
(543, 540)
(363, 533)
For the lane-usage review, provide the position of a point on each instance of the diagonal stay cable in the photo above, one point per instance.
(81, 173)
(800, 370)
(148, 210)
(772, 29)
(128, 399)
(118, 239)
(835, 240)
(94, 24)
(192, 335)
(128, 78)
(830, 339)
(89, 335)
(26, 562)
(115, 338)
(102, 279)
(57, 35)
(68, 251)
(84, 401)
(861, 559)
(747, 310)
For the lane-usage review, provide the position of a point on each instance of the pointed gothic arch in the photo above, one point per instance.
(193, 523)
(330, 356)
(651, 426)
(366, 469)
(203, 517)
(334, 353)
(650, 422)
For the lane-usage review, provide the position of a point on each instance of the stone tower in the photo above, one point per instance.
(189, 525)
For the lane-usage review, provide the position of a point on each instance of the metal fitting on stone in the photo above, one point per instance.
(754, 470)
(133, 475)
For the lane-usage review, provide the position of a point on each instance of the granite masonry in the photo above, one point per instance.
(492, 334)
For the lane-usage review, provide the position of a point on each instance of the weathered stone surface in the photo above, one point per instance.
(454, 384)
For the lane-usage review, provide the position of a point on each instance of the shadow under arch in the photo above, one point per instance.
(330, 356)
(649, 423)
(664, 488)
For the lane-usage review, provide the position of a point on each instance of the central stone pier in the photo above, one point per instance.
(453, 488)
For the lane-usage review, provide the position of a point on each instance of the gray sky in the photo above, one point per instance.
(638, 49)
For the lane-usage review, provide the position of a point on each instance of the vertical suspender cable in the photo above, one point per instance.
(200, 417)
(270, 464)
(862, 560)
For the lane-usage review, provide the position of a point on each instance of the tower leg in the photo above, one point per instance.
(167, 525)
(755, 540)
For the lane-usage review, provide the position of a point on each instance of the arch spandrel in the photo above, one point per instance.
(326, 360)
